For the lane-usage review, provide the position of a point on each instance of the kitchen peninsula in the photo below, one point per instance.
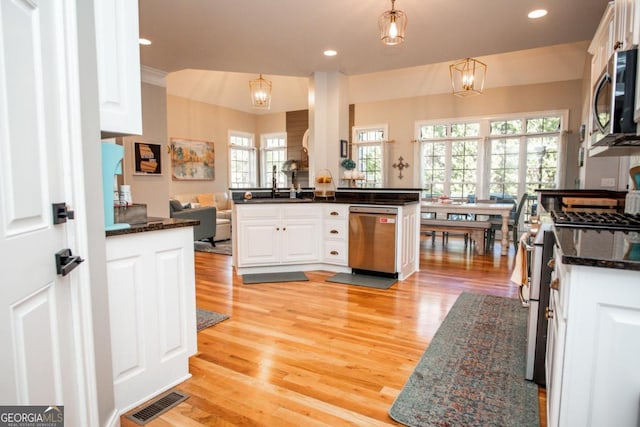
(152, 310)
(277, 234)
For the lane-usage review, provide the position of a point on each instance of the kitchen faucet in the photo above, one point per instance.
(274, 183)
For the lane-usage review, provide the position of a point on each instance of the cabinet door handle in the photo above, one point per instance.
(334, 253)
(334, 232)
(548, 313)
(334, 213)
(552, 263)
(555, 284)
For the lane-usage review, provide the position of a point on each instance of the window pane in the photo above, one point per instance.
(506, 127)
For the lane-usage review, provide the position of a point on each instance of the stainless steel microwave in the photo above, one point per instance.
(614, 102)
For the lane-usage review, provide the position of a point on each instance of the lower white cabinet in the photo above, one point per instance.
(335, 234)
(275, 234)
(593, 345)
(152, 311)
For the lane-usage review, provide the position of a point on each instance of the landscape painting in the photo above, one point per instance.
(192, 159)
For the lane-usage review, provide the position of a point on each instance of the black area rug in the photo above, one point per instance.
(290, 276)
(472, 373)
(363, 280)
(223, 247)
(206, 318)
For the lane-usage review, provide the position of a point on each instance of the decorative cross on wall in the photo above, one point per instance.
(400, 165)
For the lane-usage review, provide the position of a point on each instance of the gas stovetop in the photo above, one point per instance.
(598, 221)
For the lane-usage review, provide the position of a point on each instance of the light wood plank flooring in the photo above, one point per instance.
(317, 353)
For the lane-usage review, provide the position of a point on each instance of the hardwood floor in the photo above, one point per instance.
(317, 353)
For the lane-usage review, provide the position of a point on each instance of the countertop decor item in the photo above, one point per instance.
(348, 164)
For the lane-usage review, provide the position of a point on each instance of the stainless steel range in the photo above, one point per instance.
(614, 221)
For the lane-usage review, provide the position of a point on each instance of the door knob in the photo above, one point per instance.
(66, 262)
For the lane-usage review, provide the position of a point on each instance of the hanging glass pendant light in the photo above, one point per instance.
(393, 24)
(467, 77)
(260, 90)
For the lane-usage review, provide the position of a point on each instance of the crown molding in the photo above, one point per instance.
(153, 76)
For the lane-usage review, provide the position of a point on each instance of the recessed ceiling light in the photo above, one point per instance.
(330, 52)
(144, 42)
(538, 13)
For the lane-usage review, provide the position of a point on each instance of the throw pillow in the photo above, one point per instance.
(206, 199)
(176, 206)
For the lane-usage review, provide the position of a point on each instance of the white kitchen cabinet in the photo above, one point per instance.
(592, 347)
(152, 308)
(336, 234)
(272, 234)
(625, 25)
(118, 55)
(602, 45)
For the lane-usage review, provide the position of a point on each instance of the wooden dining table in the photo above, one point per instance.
(442, 210)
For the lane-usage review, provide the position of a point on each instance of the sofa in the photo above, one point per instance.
(220, 200)
(206, 230)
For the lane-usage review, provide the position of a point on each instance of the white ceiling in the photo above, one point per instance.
(281, 38)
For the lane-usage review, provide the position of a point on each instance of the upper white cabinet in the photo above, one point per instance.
(625, 19)
(118, 55)
(601, 46)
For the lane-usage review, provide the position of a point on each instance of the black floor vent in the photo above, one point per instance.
(157, 407)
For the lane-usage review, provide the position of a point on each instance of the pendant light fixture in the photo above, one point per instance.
(467, 77)
(393, 24)
(260, 90)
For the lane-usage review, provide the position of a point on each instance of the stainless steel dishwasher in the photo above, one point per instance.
(372, 239)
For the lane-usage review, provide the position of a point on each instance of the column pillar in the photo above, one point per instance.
(328, 122)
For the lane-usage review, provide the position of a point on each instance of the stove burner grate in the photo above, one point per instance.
(602, 221)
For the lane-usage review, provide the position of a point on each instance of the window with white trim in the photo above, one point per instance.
(449, 159)
(368, 153)
(273, 154)
(242, 160)
(498, 157)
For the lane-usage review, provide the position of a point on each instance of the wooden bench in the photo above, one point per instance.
(475, 229)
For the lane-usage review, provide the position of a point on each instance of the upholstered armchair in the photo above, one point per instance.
(206, 216)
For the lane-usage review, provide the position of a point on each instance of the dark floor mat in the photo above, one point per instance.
(290, 276)
(363, 280)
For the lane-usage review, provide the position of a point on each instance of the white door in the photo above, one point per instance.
(42, 361)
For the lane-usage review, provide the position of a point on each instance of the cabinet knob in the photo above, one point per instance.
(334, 232)
(552, 263)
(555, 284)
(334, 213)
(548, 313)
(277, 228)
(284, 228)
(334, 253)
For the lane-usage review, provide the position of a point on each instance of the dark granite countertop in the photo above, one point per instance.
(599, 248)
(387, 197)
(155, 224)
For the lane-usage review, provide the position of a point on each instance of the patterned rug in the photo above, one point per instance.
(472, 373)
(223, 247)
(206, 318)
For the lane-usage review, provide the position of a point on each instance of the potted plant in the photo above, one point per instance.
(349, 165)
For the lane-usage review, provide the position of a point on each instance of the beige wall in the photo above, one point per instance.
(401, 114)
(198, 120)
(150, 189)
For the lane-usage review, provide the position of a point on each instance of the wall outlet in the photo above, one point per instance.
(607, 182)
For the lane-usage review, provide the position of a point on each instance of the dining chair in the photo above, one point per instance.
(513, 222)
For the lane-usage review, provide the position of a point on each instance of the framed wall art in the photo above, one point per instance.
(192, 159)
(344, 148)
(147, 158)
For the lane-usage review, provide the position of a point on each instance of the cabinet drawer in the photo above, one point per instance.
(335, 230)
(295, 210)
(335, 252)
(336, 211)
(258, 212)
